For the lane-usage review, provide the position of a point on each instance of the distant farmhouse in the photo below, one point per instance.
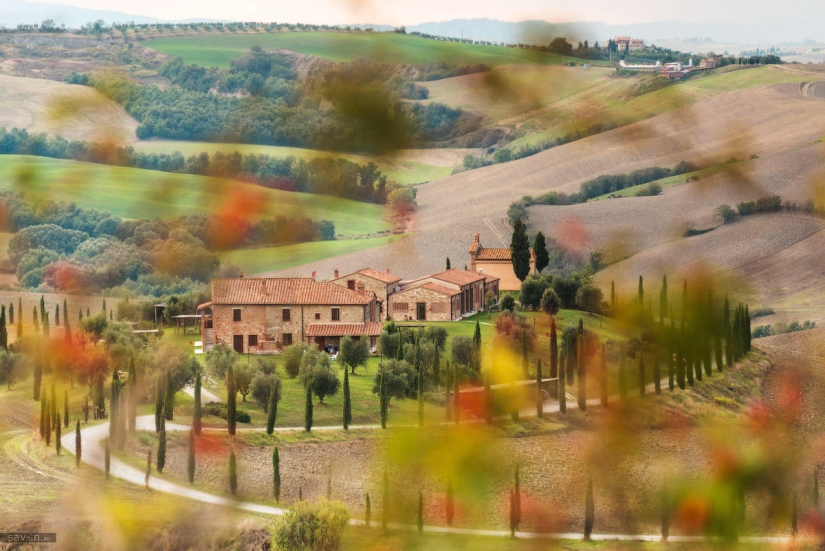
(445, 296)
(626, 43)
(497, 263)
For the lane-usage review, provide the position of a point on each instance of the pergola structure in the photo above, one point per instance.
(182, 321)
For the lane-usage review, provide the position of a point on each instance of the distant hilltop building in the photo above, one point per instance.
(633, 44)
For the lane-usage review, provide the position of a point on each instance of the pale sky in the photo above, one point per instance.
(407, 12)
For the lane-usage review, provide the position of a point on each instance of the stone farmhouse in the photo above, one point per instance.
(445, 296)
(265, 315)
(497, 263)
(383, 284)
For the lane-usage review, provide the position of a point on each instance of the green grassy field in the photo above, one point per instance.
(218, 50)
(253, 261)
(137, 193)
(610, 108)
(397, 169)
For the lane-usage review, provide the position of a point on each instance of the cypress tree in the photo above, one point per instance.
(622, 377)
(477, 347)
(57, 315)
(562, 391)
(190, 458)
(66, 408)
(300, 493)
(642, 372)
(86, 409)
(272, 409)
(436, 365)
(582, 374)
(161, 461)
(104, 308)
(448, 387)
(447, 264)
(641, 298)
(36, 320)
(160, 385)
(77, 444)
(663, 300)
(539, 392)
(148, 468)
(665, 510)
(11, 313)
(385, 505)
(554, 349)
(680, 365)
(603, 376)
(540, 250)
(420, 396)
(613, 294)
(197, 415)
(233, 472)
(688, 351)
(107, 460)
(231, 404)
(43, 414)
(276, 474)
(696, 346)
(589, 510)
(520, 250)
(308, 410)
(42, 309)
(48, 426)
(169, 399)
(46, 326)
(571, 363)
(348, 405)
(400, 351)
(747, 329)
(57, 432)
(4, 336)
(87, 312)
(121, 418)
(113, 402)
(367, 509)
(816, 490)
(20, 318)
(420, 512)
(450, 503)
(384, 400)
(67, 331)
(657, 375)
(53, 406)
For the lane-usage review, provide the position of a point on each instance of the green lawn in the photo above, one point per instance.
(138, 193)
(218, 50)
(397, 169)
(253, 261)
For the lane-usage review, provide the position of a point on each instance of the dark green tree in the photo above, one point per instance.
(448, 263)
(560, 386)
(663, 300)
(276, 474)
(48, 426)
(4, 335)
(11, 313)
(308, 410)
(347, 413)
(589, 510)
(57, 315)
(680, 365)
(448, 388)
(66, 408)
(231, 400)
(161, 462)
(233, 472)
(36, 320)
(477, 347)
(160, 394)
(57, 432)
(78, 448)
(540, 250)
(67, 332)
(420, 512)
(190, 458)
(657, 375)
(272, 407)
(197, 416)
(726, 323)
(169, 399)
(520, 250)
(42, 309)
(641, 295)
(554, 349)
(367, 509)
(46, 327)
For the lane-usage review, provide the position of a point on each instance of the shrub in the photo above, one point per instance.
(292, 359)
(262, 385)
(399, 379)
(219, 410)
(311, 527)
(726, 213)
(508, 303)
(550, 302)
(317, 373)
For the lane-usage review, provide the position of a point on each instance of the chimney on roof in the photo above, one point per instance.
(478, 238)
(388, 270)
(336, 273)
(480, 271)
(313, 275)
(240, 275)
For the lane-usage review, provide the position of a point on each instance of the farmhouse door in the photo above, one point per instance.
(421, 311)
(237, 343)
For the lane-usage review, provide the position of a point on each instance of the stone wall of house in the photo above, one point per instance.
(369, 284)
(402, 305)
(267, 322)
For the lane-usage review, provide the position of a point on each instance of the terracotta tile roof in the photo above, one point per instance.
(288, 290)
(494, 254)
(458, 277)
(490, 279)
(371, 329)
(440, 289)
(380, 276)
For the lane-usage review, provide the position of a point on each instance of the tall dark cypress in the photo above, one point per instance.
(539, 391)
(663, 300)
(231, 403)
(520, 250)
(307, 411)
(680, 365)
(747, 329)
(448, 388)
(554, 349)
(233, 472)
(66, 408)
(560, 387)
(384, 400)
(57, 315)
(197, 415)
(641, 297)
(589, 510)
(657, 374)
(476, 347)
(582, 373)
(161, 461)
(78, 445)
(57, 432)
(671, 352)
(347, 413)
(160, 394)
(169, 399)
(148, 468)
(42, 309)
(571, 362)
(48, 426)
(603, 376)
(272, 409)
(190, 458)
(276, 474)
(4, 335)
(688, 352)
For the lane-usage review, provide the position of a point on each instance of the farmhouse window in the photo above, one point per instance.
(400, 306)
(236, 314)
(287, 339)
(336, 314)
(317, 315)
(351, 284)
(286, 314)
(253, 340)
